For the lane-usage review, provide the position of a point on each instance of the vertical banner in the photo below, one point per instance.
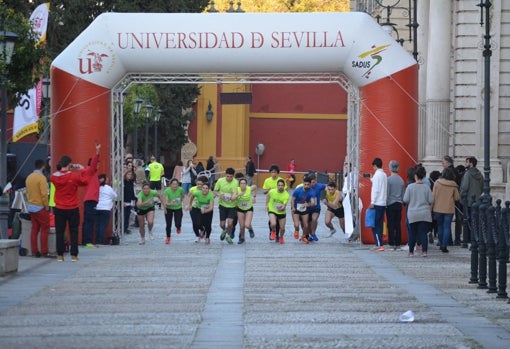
(26, 113)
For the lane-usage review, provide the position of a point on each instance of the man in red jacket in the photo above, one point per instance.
(66, 182)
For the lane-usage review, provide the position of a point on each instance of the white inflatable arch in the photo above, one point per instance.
(321, 45)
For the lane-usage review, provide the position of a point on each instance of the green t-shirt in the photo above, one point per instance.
(156, 171)
(244, 201)
(148, 200)
(174, 198)
(227, 189)
(203, 201)
(277, 201)
(270, 183)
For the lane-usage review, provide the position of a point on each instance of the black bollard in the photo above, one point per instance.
(471, 225)
(503, 219)
(482, 246)
(491, 248)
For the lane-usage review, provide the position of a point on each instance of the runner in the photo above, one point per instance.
(173, 197)
(333, 202)
(192, 203)
(224, 189)
(245, 197)
(145, 211)
(276, 203)
(271, 183)
(203, 211)
(302, 203)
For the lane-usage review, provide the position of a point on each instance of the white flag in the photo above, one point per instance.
(26, 113)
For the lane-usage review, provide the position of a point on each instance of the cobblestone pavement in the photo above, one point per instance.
(328, 294)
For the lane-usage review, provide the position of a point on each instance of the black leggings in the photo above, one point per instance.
(168, 219)
(201, 221)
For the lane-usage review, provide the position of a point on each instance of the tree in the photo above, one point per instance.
(68, 18)
(284, 5)
(26, 65)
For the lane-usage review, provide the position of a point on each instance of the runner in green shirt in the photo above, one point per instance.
(245, 196)
(224, 189)
(276, 203)
(173, 197)
(203, 211)
(145, 210)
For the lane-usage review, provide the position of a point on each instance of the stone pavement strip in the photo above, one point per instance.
(329, 294)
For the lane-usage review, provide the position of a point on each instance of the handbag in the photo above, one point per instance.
(370, 218)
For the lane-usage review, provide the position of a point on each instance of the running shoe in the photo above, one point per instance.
(314, 237)
(304, 239)
(197, 240)
(378, 249)
(178, 230)
(296, 234)
(223, 234)
(252, 233)
(229, 240)
(332, 232)
(60, 258)
(410, 254)
(201, 233)
(273, 235)
(74, 258)
(232, 234)
(142, 242)
(207, 241)
(89, 245)
(241, 241)
(424, 254)
(281, 241)
(151, 235)
(167, 240)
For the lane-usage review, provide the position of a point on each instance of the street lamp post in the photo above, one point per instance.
(148, 113)
(46, 101)
(391, 27)
(487, 53)
(157, 117)
(138, 108)
(7, 47)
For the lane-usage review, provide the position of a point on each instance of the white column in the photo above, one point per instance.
(423, 22)
(438, 82)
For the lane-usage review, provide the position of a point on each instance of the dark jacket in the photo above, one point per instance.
(472, 185)
(250, 169)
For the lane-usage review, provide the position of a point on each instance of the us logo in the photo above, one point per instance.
(96, 57)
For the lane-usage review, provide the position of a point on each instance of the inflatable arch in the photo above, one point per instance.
(116, 45)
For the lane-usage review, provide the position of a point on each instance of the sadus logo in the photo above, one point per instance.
(96, 57)
(369, 64)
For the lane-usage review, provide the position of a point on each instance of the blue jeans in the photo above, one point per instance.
(418, 232)
(186, 187)
(103, 218)
(444, 227)
(379, 221)
(89, 218)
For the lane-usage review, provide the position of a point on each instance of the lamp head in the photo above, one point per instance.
(209, 113)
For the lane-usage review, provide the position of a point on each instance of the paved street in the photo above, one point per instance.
(329, 294)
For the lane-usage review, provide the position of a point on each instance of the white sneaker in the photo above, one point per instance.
(332, 232)
(151, 235)
(197, 240)
(142, 242)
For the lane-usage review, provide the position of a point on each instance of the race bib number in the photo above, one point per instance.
(301, 207)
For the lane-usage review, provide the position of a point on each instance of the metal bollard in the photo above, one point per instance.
(482, 247)
(502, 247)
(491, 248)
(471, 224)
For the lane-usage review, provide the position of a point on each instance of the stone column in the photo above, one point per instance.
(438, 83)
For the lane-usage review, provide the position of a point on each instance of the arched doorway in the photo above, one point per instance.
(350, 49)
